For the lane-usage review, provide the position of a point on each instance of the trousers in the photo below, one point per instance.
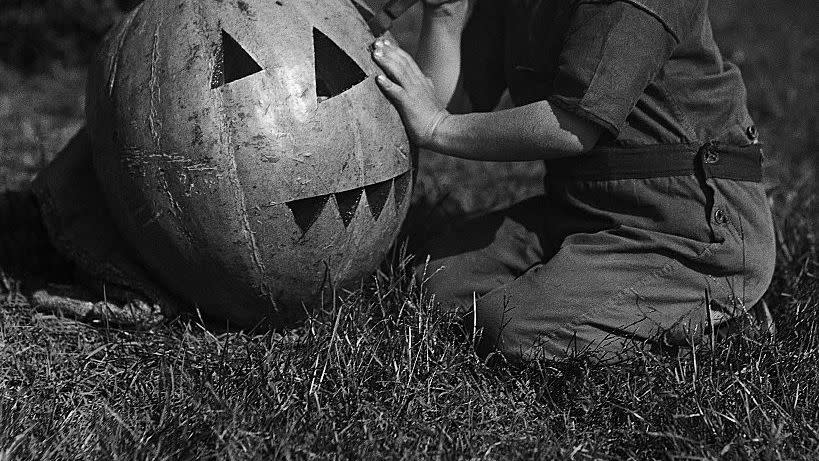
(626, 251)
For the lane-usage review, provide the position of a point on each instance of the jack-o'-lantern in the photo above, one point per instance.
(245, 152)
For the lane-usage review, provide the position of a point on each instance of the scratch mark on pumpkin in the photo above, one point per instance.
(135, 159)
(175, 208)
(155, 92)
(245, 217)
(359, 148)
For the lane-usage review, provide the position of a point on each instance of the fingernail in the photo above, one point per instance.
(378, 53)
(387, 41)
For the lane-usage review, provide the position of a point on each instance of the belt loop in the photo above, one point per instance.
(708, 155)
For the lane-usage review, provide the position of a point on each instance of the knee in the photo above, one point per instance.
(503, 326)
(759, 267)
(545, 332)
(555, 344)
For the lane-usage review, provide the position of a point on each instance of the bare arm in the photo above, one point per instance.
(532, 132)
(439, 47)
(538, 131)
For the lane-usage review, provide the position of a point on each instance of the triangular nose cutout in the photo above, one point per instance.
(336, 72)
(232, 62)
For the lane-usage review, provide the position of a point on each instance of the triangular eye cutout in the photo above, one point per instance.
(307, 211)
(347, 204)
(377, 195)
(364, 12)
(232, 62)
(336, 72)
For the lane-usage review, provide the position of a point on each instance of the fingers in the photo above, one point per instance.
(396, 63)
(405, 58)
(393, 91)
(390, 65)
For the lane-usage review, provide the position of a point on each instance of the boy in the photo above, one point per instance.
(654, 228)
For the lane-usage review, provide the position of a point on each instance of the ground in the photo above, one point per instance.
(381, 373)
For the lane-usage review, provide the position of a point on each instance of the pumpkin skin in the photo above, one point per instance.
(245, 152)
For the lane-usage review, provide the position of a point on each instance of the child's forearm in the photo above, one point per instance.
(537, 131)
(439, 48)
(533, 132)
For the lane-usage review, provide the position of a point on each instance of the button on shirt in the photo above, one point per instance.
(646, 71)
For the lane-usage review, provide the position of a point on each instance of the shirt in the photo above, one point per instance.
(646, 71)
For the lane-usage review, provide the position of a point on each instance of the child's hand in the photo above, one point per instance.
(412, 92)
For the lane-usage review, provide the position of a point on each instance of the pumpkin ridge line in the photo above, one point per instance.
(245, 217)
(113, 66)
(241, 198)
(155, 92)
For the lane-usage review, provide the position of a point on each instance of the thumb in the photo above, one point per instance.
(390, 88)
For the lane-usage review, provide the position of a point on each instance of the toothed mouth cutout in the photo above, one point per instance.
(306, 211)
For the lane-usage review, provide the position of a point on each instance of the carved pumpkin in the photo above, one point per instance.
(245, 152)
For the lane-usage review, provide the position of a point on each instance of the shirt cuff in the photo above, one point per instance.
(572, 105)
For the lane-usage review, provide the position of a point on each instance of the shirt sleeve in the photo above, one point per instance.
(482, 55)
(612, 51)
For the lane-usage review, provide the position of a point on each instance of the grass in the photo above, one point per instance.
(382, 374)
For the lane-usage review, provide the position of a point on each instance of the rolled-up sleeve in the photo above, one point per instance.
(611, 53)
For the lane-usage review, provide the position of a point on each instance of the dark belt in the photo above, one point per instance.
(713, 159)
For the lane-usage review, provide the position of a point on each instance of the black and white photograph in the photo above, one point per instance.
(409, 229)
